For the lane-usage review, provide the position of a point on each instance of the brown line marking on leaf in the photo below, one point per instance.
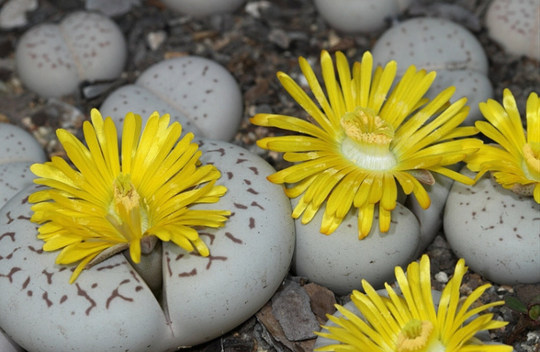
(37, 251)
(240, 161)
(10, 255)
(232, 238)
(138, 288)
(45, 296)
(240, 206)
(25, 283)
(229, 175)
(186, 274)
(84, 294)
(168, 264)
(255, 204)
(110, 266)
(252, 191)
(63, 299)
(248, 182)
(115, 294)
(10, 219)
(220, 150)
(25, 199)
(10, 275)
(22, 217)
(49, 276)
(251, 223)
(211, 236)
(10, 234)
(179, 256)
(134, 276)
(211, 258)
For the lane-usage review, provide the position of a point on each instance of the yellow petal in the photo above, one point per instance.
(81, 267)
(345, 79)
(305, 101)
(380, 88)
(130, 140)
(385, 217)
(135, 250)
(290, 123)
(332, 88)
(533, 118)
(365, 219)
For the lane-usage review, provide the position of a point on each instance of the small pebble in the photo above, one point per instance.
(441, 277)
(155, 39)
(280, 38)
(254, 8)
(292, 309)
(533, 338)
(13, 13)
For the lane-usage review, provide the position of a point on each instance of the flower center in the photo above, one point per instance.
(127, 215)
(416, 336)
(368, 140)
(531, 155)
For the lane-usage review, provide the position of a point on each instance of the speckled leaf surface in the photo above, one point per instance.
(199, 93)
(52, 59)
(110, 307)
(495, 230)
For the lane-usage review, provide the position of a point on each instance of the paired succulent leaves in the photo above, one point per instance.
(115, 201)
(367, 138)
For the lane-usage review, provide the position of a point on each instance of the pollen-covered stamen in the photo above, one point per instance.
(531, 156)
(416, 336)
(126, 214)
(368, 139)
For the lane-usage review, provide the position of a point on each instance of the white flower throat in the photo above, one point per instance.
(368, 140)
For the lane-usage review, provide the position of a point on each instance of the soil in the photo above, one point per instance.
(253, 50)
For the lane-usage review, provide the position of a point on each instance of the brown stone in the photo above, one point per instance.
(322, 301)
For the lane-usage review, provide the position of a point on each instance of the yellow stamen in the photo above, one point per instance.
(414, 336)
(368, 140)
(364, 126)
(531, 155)
(126, 211)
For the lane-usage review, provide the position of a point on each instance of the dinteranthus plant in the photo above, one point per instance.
(514, 158)
(116, 200)
(407, 319)
(364, 139)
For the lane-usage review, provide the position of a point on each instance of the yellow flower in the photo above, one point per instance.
(515, 161)
(114, 202)
(409, 323)
(364, 139)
